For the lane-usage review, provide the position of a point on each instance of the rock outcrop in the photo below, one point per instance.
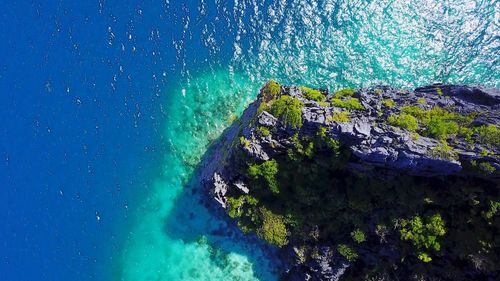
(434, 134)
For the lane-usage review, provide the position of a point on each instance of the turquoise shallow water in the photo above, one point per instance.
(331, 44)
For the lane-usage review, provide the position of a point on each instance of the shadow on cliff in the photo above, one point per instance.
(198, 218)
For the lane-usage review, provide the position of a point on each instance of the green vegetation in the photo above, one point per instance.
(262, 106)
(440, 129)
(348, 92)
(263, 131)
(488, 134)
(339, 116)
(444, 151)
(266, 171)
(271, 90)
(244, 142)
(301, 148)
(235, 205)
(358, 235)
(423, 235)
(352, 103)
(273, 228)
(492, 211)
(288, 110)
(421, 101)
(403, 120)
(347, 252)
(312, 94)
(486, 168)
(441, 124)
(466, 133)
(388, 103)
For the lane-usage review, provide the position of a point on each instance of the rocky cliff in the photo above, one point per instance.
(375, 184)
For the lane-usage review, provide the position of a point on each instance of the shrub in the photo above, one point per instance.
(347, 92)
(271, 90)
(358, 235)
(347, 252)
(267, 171)
(339, 116)
(466, 133)
(488, 134)
(244, 141)
(322, 132)
(302, 147)
(423, 235)
(414, 111)
(235, 205)
(352, 103)
(263, 131)
(262, 106)
(492, 211)
(289, 110)
(388, 103)
(331, 143)
(403, 120)
(312, 94)
(273, 228)
(444, 151)
(486, 168)
(421, 101)
(440, 129)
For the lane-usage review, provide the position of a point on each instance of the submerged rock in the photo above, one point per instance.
(372, 160)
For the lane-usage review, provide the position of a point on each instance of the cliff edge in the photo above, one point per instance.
(367, 184)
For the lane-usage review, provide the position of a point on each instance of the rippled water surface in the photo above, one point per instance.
(161, 80)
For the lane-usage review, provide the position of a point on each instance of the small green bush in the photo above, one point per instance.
(414, 111)
(492, 211)
(486, 168)
(339, 116)
(267, 171)
(403, 120)
(421, 101)
(303, 147)
(235, 205)
(358, 235)
(440, 129)
(273, 228)
(288, 110)
(347, 252)
(488, 134)
(444, 151)
(312, 94)
(244, 142)
(271, 90)
(348, 92)
(352, 103)
(388, 103)
(263, 131)
(466, 133)
(423, 235)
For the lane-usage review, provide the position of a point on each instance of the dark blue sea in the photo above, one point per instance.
(107, 107)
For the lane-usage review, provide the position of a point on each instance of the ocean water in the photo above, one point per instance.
(107, 107)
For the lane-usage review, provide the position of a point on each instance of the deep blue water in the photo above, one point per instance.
(107, 106)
